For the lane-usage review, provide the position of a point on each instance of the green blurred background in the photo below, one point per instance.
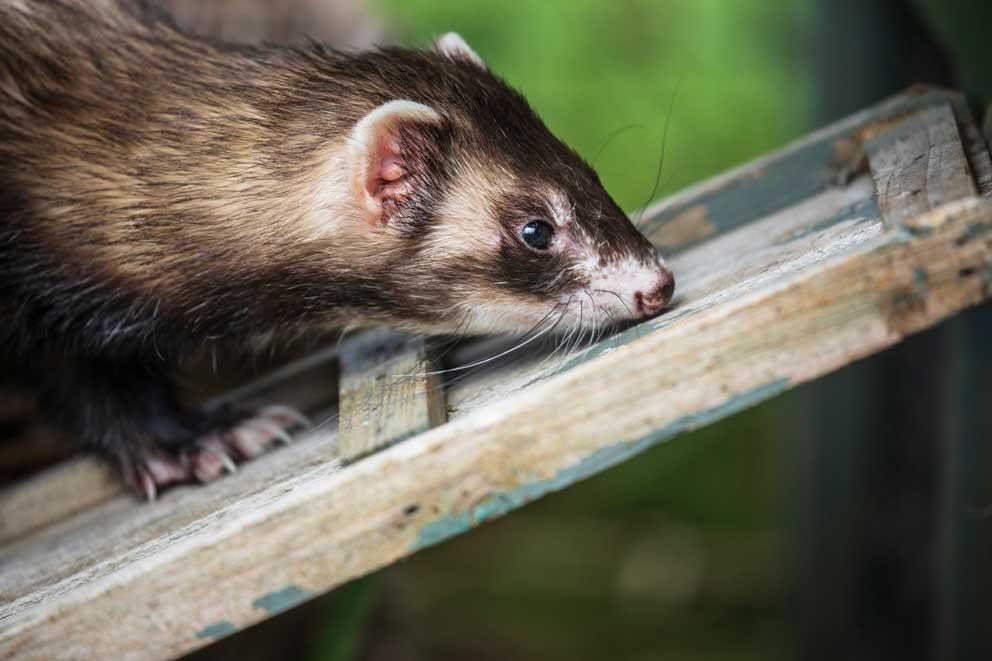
(592, 68)
(722, 544)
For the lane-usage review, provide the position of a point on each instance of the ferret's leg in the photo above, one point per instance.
(130, 415)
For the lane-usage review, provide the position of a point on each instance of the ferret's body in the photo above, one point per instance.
(159, 193)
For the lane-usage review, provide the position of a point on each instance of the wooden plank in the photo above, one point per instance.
(306, 532)
(918, 163)
(57, 492)
(390, 391)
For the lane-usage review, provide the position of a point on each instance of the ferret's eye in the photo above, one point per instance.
(537, 234)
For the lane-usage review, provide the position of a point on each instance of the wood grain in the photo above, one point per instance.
(390, 391)
(918, 164)
(57, 492)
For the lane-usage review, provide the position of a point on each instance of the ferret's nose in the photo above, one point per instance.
(652, 302)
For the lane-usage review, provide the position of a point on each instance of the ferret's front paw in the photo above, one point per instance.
(213, 454)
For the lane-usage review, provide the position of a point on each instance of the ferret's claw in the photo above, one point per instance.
(216, 449)
(228, 463)
(214, 454)
(151, 493)
(287, 412)
(277, 432)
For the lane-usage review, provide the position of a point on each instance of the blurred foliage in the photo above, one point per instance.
(346, 614)
(678, 553)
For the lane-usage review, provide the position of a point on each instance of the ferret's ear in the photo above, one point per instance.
(452, 46)
(387, 154)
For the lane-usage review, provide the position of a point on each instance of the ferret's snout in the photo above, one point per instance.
(652, 302)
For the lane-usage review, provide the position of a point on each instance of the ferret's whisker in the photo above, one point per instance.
(661, 159)
(560, 308)
(527, 340)
(450, 381)
(613, 136)
(618, 297)
(637, 326)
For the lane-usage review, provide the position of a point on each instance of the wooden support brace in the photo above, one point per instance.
(390, 391)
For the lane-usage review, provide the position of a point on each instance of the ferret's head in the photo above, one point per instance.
(480, 219)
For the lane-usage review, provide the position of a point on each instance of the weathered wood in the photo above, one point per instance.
(807, 286)
(390, 391)
(53, 494)
(918, 163)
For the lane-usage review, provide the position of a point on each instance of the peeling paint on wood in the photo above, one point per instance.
(690, 226)
(280, 600)
(860, 210)
(795, 177)
(216, 630)
(971, 232)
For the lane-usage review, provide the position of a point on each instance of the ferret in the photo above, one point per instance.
(161, 193)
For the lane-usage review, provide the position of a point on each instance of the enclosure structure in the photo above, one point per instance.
(789, 267)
